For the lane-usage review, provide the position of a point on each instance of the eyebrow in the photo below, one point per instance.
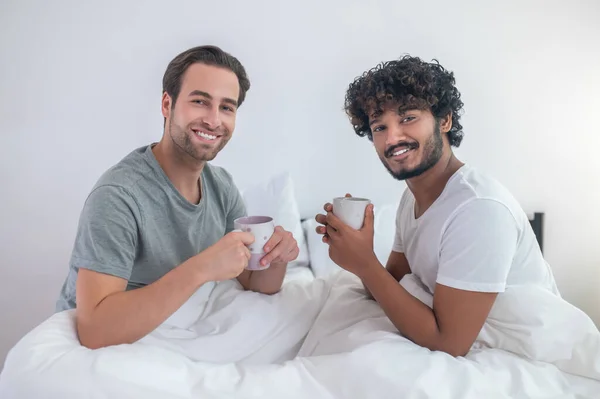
(375, 115)
(206, 95)
(402, 111)
(374, 121)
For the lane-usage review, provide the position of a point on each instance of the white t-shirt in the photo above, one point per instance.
(474, 237)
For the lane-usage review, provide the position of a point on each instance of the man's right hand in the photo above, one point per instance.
(227, 258)
(108, 314)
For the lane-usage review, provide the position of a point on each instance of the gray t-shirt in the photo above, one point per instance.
(137, 226)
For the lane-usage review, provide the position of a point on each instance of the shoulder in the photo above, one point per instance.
(109, 203)
(474, 203)
(482, 214)
(473, 189)
(478, 184)
(116, 189)
(128, 172)
(479, 209)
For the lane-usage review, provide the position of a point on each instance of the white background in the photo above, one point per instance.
(80, 87)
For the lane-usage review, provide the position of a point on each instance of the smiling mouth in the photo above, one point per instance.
(205, 136)
(400, 152)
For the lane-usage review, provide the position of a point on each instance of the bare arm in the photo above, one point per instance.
(280, 249)
(397, 265)
(451, 326)
(477, 250)
(109, 315)
(266, 281)
(457, 315)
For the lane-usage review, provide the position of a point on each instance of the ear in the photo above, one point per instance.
(166, 105)
(446, 123)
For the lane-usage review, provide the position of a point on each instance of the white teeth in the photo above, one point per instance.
(206, 136)
(400, 152)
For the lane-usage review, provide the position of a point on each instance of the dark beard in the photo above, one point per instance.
(432, 152)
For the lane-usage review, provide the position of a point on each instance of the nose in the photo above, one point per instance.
(212, 118)
(394, 134)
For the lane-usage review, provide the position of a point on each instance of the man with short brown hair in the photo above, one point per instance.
(158, 226)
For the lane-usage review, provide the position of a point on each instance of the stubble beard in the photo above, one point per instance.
(183, 142)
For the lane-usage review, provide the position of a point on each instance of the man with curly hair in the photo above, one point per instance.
(458, 231)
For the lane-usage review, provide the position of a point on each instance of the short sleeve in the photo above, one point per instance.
(107, 234)
(478, 246)
(237, 207)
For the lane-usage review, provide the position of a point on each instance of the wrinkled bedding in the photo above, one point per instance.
(318, 339)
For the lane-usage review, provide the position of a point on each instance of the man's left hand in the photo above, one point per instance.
(281, 248)
(349, 248)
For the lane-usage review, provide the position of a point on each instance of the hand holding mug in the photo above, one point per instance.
(350, 210)
(281, 248)
(271, 244)
(227, 258)
(348, 230)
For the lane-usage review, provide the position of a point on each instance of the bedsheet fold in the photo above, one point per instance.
(322, 339)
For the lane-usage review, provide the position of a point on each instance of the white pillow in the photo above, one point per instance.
(385, 230)
(276, 198)
(320, 263)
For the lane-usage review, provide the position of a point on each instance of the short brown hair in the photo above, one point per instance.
(209, 55)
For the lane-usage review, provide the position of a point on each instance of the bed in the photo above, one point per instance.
(318, 338)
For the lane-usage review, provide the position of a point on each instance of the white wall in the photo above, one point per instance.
(80, 87)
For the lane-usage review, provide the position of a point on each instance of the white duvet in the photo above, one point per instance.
(322, 339)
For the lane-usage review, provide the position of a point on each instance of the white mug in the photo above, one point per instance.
(262, 228)
(351, 210)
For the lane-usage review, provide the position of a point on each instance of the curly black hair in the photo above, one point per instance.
(408, 83)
